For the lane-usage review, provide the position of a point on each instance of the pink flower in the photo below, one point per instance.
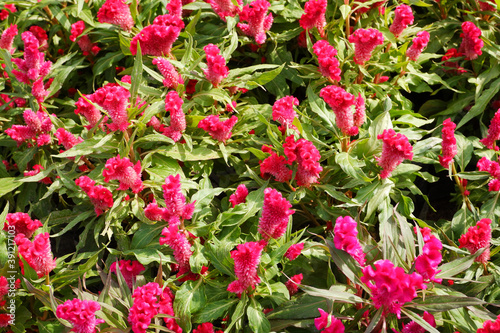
(345, 238)
(128, 174)
(431, 257)
(413, 327)
(478, 237)
(452, 53)
(175, 202)
(41, 35)
(246, 261)
(275, 214)
(419, 44)
(67, 139)
(155, 40)
(77, 29)
(293, 284)
(258, 22)
(37, 168)
(116, 12)
(328, 64)
(173, 105)
(294, 251)
(471, 43)
(113, 99)
(307, 157)
(395, 149)
(38, 91)
(314, 16)
(328, 323)
(4, 13)
(7, 38)
(219, 130)
(178, 242)
(89, 111)
(403, 17)
(239, 196)
(225, 8)
(37, 129)
(81, 314)
(5, 286)
(174, 8)
(171, 78)
(129, 270)
(169, 20)
(493, 132)
(275, 166)
(283, 111)
(33, 66)
(449, 144)
(154, 212)
(37, 253)
(205, 328)
(365, 41)
(99, 196)
(484, 164)
(342, 104)
(490, 327)
(391, 287)
(217, 69)
(22, 224)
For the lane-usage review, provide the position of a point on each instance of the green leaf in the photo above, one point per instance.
(108, 61)
(379, 195)
(374, 320)
(7, 185)
(260, 79)
(187, 299)
(451, 269)
(213, 310)
(257, 319)
(318, 107)
(444, 302)
(344, 10)
(419, 320)
(351, 166)
(146, 234)
(23, 157)
(481, 103)
(80, 217)
(93, 145)
(136, 75)
(346, 263)
(219, 255)
(336, 293)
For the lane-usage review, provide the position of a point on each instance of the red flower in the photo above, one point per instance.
(225, 8)
(452, 53)
(413, 327)
(347, 118)
(113, 99)
(449, 145)
(490, 327)
(293, 284)
(81, 314)
(365, 41)
(116, 12)
(239, 196)
(129, 270)
(307, 157)
(246, 261)
(171, 78)
(4, 13)
(7, 38)
(471, 43)
(37, 253)
(33, 66)
(395, 149)
(275, 166)
(41, 35)
(67, 139)
(283, 111)
(314, 16)
(431, 257)
(99, 196)
(258, 23)
(294, 251)
(155, 40)
(218, 129)
(275, 214)
(178, 242)
(478, 237)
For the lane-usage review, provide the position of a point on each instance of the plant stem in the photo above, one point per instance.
(461, 187)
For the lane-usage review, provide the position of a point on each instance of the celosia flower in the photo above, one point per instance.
(38, 91)
(129, 270)
(37, 129)
(293, 284)
(116, 12)
(307, 157)
(219, 130)
(37, 168)
(145, 306)
(328, 323)
(81, 314)
(173, 105)
(395, 149)
(328, 64)
(22, 224)
(258, 23)
(41, 35)
(275, 166)
(5, 287)
(37, 253)
(486, 7)
(169, 20)
(471, 43)
(342, 104)
(217, 69)
(294, 251)
(413, 327)
(449, 145)
(5, 319)
(345, 238)
(205, 328)
(175, 202)
(154, 212)
(493, 132)
(128, 174)
(431, 257)
(452, 53)
(314, 16)
(419, 44)
(77, 29)
(275, 214)
(246, 261)
(365, 41)
(283, 111)
(239, 196)
(178, 242)
(391, 287)
(490, 327)
(7, 38)
(4, 13)
(174, 8)
(165, 303)
(99, 196)
(171, 78)
(113, 99)
(89, 111)
(225, 8)
(155, 40)
(67, 139)
(33, 66)
(484, 164)
(478, 237)
(403, 17)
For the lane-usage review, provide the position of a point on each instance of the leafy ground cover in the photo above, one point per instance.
(229, 166)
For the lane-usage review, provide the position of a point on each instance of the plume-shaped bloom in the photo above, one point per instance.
(128, 174)
(154, 212)
(430, 259)
(171, 78)
(155, 40)
(225, 8)
(449, 145)
(9, 8)
(328, 64)
(239, 196)
(116, 12)
(99, 196)
(41, 35)
(471, 42)
(395, 149)
(283, 111)
(178, 242)
(414, 327)
(174, 8)
(84, 41)
(217, 69)
(314, 16)
(478, 237)
(22, 224)
(113, 99)
(33, 66)
(81, 314)
(293, 284)
(77, 29)
(7, 38)
(345, 237)
(219, 130)
(493, 132)
(37, 254)
(294, 251)
(66, 138)
(452, 53)
(275, 166)
(365, 40)
(90, 112)
(418, 45)
(173, 105)
(391, 287)
(347, 117)
(205, 328)
(328, 323)
(175, 202)
(246, 262)
(169, 20)
(307, 157)
(490, 326)
(403, 17)
(275, 214)
(129, 270)
(37, 129)
(38, 91)
(258, 22)
(484, 164)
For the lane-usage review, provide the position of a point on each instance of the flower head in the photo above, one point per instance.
(7, 38)
(471, 43)
(258, 22)
(452, 53)
(431, 257)
(176, 207)
(342, 104)
(171, 78)
(99, 196)
(22, 224)
(9, 8)
(155, 40)
(37, 253)
(346, 238)
(217, 69)
(493, 132)
(294, 251)
(116, 12)
(419, 44)
(129, 269)
(275, 166)
(37, 129)
(314, 16)
(89, 111)
(402, 19)
(66, 138)
(328, 323)
(239, 196)
(328, 64)
(493, 168)
(41, 35)
(275, 214)
(490, 327)
(225, 8)
(113, 99)
(395, 149)
(449, 144)
(283, 111)
(365, 40)
(173, 105)
(81, 314)
(128, 174)
(178, 242)
(218, 129)
(478, 237)
(33, 66)
(293, 284)
(307, 157)
(246, 261)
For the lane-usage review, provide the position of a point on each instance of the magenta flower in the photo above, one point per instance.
(239, 196)
(77, 29)
(391, 287)
(346, 238)
(173, 105)
(41, 35)
(205, 328)
(478, 237)
(81, 314)
(275, 214)
(66, 138)
(294, 251)
(155, 40)
(314, 16)
(7, 38)
(419, 44)
(403, 17)
(328, 64)
(293, 284)
(175, 202)
(283, 111)
(113, 99)
(471, 43)
(225, 8)
(129, 270)
(275, 166)
(154, 212)
(395, 149)
(413, 327)
(484, 164)
(99, 196)
(246, 261)
(22, 224)
(365, 40)
(178, 242)
(217, 69)
(38, 91)
(431, 257)
(128, 174)
(347, 118)
(258, 23)
(9, 8)
(89, 111)
(169, 20)
(449, 144)
(328, 323)
(219, 130)
(493, 132)
(174, 8)
(307, 157)
(171, 78)
(37, 129)
(37, 253)
(33, 66)
(490, 327)
(116, 12)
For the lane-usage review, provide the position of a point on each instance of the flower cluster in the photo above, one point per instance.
(84, 41)
(171, 78)
(66, 138)
(37, 253)
(225, 8)
(22, 223)
(99, 196)
(275, 166)
(113, 99)
(403, 17)
(493, 168)
(128, 174)
(180, 245)
(293, 284)
(490, 327)
(258, 22)
(365, 40)
(395, 149)
(219, 130)
(239, 196)
(246, 262)
(7, 38)
(431, 257)
(116, 12)
(314, 16)
(275, 214)
(328, 323)
(157, 39)
(478, 237)
(347, 118)
(328, 64)
(37, 129)
(471, 43)
(418, 45)
(449, 145)
(129, 270)
(294, 251)
(217, 69)
(493, 132)
(284, 113)
(173, 105)
(307, 157)
(345, 237)
(452, 53)
(32, 67)
(81, 314)
(9, 8)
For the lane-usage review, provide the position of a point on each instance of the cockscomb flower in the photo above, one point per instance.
(314, 16)
(225, 8)
(493, 132)
(206, 328)
(37, 253)
(431, 257)
(413, 327)
(155, 40)
(258, 22)
(328, 323)
(484, 164)
(490, 327)
(171, 78)
(175, 202)
(487, 7)
(345, 106)
(239, 196)
(173, 105)
(275, 166)
(128, 174)
(294, 251)
(33, 66)
(307, 157)
(328, 64)
(113, 99)
(41, 35)
(478, 237)
(403, 17)
(246, 262)
(154, 212)
(217, 69)
(116, 12)
(293, 284)
(165, 303)
(275, 214)
(174, 8)
(22, 224)
(90, 112)
(178, 242)
(471, 43)
(345, 237)
(395, 149)
(99, 196)
(129, 270)
(38, 91)
(37, 168)
(7, 38)
(145, 306)
(66, 138)
(6, 319)
(219, 130)
(365, 40)
(5, 287)
(169, 20)
(81, 314)
(77, 29)
(449, 144)
(391, 287)
(452, 53)
(84, 42)
(283, 111)
(4, 13)
(37, 129)
(419, 44)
